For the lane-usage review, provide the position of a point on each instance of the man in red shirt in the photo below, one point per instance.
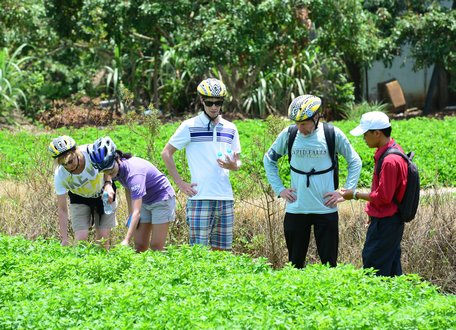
(382, 248)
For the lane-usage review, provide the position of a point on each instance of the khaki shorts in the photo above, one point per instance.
(81, 218)
(158, 213)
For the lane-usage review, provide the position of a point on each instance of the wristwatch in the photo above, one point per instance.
(354, 195)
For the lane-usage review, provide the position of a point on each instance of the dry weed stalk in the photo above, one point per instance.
(428, 249)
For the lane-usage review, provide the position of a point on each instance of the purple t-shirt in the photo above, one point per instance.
(144, 180)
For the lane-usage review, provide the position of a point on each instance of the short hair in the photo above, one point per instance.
(386, 131)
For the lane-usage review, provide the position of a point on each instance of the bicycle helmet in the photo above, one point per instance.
(102, 153)
(212, 87)
(304, 107)
(61, 145)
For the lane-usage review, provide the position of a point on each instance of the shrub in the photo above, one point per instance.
(11, 74)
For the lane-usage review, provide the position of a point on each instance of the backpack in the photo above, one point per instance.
(330, 138)
(409, 205)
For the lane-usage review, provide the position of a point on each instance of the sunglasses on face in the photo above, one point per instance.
(211, 103)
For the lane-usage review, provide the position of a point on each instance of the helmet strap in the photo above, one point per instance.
(115, 168)
(210, 118)
(316, 121)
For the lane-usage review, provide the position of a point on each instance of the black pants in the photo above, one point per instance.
(382, 249)
(297, 229)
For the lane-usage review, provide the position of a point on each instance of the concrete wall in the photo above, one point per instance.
(413, 84)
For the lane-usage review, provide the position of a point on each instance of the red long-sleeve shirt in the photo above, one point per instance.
(392, 183)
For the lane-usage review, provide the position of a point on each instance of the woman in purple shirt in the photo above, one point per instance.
(150, 196)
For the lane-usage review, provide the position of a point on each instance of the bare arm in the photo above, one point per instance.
(167, 155)
(107, 186)
(350, 194)
(128, 198)
(63, 218)
(136, 212)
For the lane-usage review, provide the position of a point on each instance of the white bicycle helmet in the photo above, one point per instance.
(61, 145)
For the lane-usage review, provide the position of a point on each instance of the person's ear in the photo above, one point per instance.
(377, 133)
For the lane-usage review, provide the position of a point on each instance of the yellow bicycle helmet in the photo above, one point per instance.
(212, 87)
(61, 145)
(304, 107)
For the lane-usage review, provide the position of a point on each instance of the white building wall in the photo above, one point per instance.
(413, 84)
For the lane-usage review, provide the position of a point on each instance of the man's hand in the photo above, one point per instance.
(187, 188)
(333, 198)
(289, 195)
(125, 243)
(347, 194)
(230, 163)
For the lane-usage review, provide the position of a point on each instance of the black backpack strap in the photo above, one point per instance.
(389, 151)
(292, 131)
(330, 137)
(395, 151)
(309, 174)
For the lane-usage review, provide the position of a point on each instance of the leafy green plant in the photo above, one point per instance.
(148, 131)
(44, 285)
(431, 34)
(10, 79)
(114, 85)
(354, 111)
(416, 134)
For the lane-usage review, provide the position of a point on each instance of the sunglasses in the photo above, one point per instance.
(211, 103)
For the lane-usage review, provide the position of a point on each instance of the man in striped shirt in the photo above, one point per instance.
(212, 149)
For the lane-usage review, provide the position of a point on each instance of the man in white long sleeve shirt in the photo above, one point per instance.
(313, 197)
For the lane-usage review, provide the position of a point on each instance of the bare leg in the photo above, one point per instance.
(159, 233)
(81, 235)
(102, 236)
(142, 236)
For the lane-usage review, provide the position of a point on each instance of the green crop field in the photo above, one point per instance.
(432, 141)
(44, 286)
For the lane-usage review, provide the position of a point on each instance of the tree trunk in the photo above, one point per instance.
(354, 71)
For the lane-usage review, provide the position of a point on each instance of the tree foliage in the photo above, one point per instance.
(264, 50)
(432, 35)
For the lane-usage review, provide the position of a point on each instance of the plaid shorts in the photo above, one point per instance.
(211, 222)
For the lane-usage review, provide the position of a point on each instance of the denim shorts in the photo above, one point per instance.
(159, 212)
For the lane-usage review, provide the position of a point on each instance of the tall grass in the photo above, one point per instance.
(429, 248)
(355, 111)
